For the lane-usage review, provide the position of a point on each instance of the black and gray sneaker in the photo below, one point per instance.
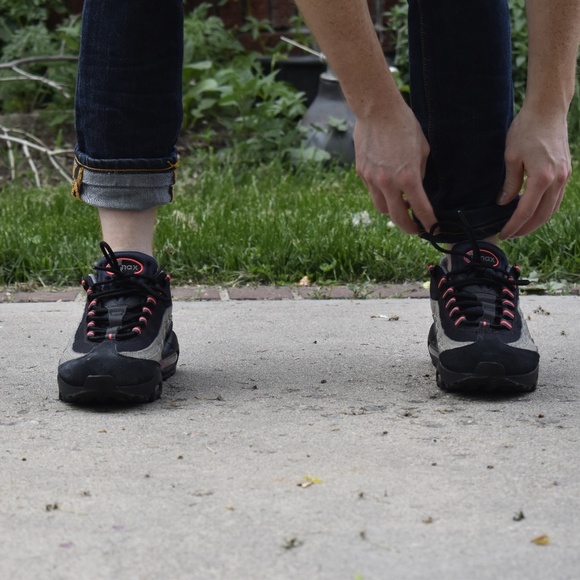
(479, 340)
(125, 345)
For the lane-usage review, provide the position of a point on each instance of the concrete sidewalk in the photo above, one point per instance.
(299, 439)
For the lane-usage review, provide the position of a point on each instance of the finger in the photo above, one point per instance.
(534, 208)
(378, 198)
(419, 203)
(560, 199)
(400, 216)
(548, 206)
(397, 208)
(514, 179)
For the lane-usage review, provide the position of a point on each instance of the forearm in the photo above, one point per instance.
(346, 35)
(554, 33)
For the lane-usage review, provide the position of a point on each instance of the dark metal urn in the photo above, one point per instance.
(329, 121)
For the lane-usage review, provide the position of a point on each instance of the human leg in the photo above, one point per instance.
(128, 111)
(127, 230)
(461, 93)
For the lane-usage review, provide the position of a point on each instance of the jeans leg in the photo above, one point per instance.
(128, 102)
(462, 95)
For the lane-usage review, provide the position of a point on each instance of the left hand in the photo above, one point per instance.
(537, 148)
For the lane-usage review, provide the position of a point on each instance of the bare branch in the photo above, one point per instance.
(32, 142)
(32, 165)
(14, 66)
(11, 161)
(28, 76)
(35, 59)
(3, 79)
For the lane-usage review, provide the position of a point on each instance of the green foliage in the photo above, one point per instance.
(229, 103)
(519, 30)
(397, 16)
(16, 14)
(25, 32)
(206, 38)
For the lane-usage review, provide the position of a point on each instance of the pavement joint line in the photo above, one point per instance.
(295, 294)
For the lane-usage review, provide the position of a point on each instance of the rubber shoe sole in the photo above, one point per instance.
(485, 380)
(488, 378)
(105, 389)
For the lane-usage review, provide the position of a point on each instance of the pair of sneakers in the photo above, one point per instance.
(125, 346)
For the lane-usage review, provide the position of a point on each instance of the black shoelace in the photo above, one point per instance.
(477, 295)
(120, 306)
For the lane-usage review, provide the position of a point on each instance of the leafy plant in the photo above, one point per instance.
(229, 102)
(25, 32)
(15, 14)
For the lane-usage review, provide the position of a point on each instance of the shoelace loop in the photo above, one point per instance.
(130, 316)
(463, 306)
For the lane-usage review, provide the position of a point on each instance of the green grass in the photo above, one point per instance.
(260, 225)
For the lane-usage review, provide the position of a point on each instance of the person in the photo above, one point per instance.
(458, 159)
(128, 117)
(451, 167)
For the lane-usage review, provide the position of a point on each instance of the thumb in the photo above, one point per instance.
(514, 179)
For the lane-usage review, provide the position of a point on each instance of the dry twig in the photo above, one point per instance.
(14, 66)
(28, 141)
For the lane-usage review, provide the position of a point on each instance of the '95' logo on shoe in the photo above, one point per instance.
(486, 258)
(128, 266)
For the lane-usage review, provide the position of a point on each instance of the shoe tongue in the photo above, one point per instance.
(130, 263)
(485, 295)
(489, 255)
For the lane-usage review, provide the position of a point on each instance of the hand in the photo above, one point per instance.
(391, 155)
(536, 147)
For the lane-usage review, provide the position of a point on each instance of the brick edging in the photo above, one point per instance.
(224, 294)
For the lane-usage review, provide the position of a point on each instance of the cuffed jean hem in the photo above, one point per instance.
(482, 223)
(123, 189)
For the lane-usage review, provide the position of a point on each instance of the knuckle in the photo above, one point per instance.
(407, 178)
(563, 175)
(561, 179)
(384, 181)
(545, 178)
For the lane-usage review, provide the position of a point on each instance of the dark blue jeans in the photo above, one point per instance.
(129, 112)
(128, 102)
(462, 94)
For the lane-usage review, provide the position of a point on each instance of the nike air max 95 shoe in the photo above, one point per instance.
(479, 340)
(125, 345)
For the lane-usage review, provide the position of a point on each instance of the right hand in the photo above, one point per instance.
(391, 156)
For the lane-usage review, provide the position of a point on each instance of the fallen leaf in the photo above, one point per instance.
(305, 281)
(542, 540)
(308, 481)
